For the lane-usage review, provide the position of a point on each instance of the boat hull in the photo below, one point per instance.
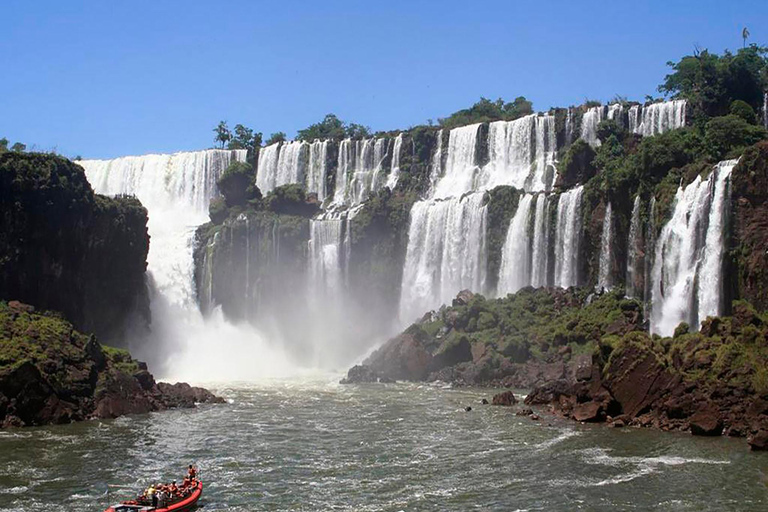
(184, 505)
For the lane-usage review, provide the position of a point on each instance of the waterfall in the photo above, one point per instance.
(657, 118)
(687, 271)
(266, 173)
(394, 173)
(605, 278)
(592, 117)
(291, 163)
(317, 169)
(568, 238)
(176, 190)
(649, 252)
(446, 252)
(515, 269)
(436, 165)
(569, 127)
(635, 254)
(765, 110)
(521, 154)
(359, 170)
(327, 256)
(540, 258)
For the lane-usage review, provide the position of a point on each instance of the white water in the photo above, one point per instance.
(592, 117)
(394, 173)
(446, 253)
(176, 190)
(266, 172)
(605, 277)
(521, 154)
(540, 258)
(515, 269)
(657, 118)
(634, 252)
(687, 272)
(460, 166)
(568, 238)
(360, 170)
(317, 169)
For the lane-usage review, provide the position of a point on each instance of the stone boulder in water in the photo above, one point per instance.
(505, 398)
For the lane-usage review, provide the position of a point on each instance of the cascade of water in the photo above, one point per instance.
(765, 110)
(540, 258)
(460, 166)
(515, 269)
(266, 173)
(176, 190)
(521, 154)
(436, 165)
(634, 254)
(379, 153)
(291, 163)
(649, 254)
(359, 170)
(394, 173)
(687, 270)
(326, 256)
(568, 238)
(592, 117)
(317, 169)
(446, 252)
(657, 118)
(343, 169)
(605, 278)
(569, 127)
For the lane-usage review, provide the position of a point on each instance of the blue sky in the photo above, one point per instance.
(108, 78)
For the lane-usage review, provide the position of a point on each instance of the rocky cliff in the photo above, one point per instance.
(52, 373)
(64, 248)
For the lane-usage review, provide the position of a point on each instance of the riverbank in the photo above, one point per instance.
(51, 373)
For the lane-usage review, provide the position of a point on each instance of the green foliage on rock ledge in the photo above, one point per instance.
(333, 128)
(486, 110)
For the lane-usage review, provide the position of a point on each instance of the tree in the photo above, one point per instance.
(236, 184)
(244, 138)
(18, 147)
(331, 127)
(3, 145)
(727, 136)
(486, 110)
(275, 138)
(223, 135)
(744, 36)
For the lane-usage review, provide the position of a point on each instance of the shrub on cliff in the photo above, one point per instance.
(237, 184)
(728, 136)
(291, 200)
(486, 110)
(333, 128)
(578, 164)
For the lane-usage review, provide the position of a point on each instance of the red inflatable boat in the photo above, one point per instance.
(183, 504)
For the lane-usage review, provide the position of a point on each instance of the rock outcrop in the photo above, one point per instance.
(51, 373)
(67, 249)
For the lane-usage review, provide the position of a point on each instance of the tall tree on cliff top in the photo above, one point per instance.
(223, 134)
(244, 138)
(745, 36)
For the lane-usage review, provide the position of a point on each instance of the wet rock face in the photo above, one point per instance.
(506, 398)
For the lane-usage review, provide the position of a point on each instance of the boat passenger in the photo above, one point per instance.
(173, 488)
(192, 472)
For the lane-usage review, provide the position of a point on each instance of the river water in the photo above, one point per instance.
(311, 444)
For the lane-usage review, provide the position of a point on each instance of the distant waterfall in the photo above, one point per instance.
(460, 167)
(317, 169)
(521, 154)
(327, 256)
(515, 270)
(569, 127)
(589, 122)
(635, 256)
(568, 238)
(687, 271)
(540, 256)
(394, 173)
(436, 164)
(657, 118)
(605, 278)
(360, 170)
(266, 173)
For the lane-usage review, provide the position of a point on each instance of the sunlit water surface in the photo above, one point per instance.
(311, 444)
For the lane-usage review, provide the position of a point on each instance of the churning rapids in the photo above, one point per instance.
(312, 444)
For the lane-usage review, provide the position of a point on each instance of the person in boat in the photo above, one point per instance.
(186, 483)
(152, 495)
(173, 489)
(192, 473)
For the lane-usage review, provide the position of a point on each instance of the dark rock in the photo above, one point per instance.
(360, 374)
(706, 422)
(525, 411)
(468, 408)
(534, 417)
(590, 412)
(505, 398)
(758, 441)
(484, 401)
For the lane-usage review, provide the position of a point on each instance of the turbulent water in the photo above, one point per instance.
(311, 444)
(605, 276)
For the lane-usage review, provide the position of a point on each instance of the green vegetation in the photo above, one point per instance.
(242, 138)
(486, 110)
(275, 138)
(238, 184)
(536, 323)
(711, 82)
(333, 128)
